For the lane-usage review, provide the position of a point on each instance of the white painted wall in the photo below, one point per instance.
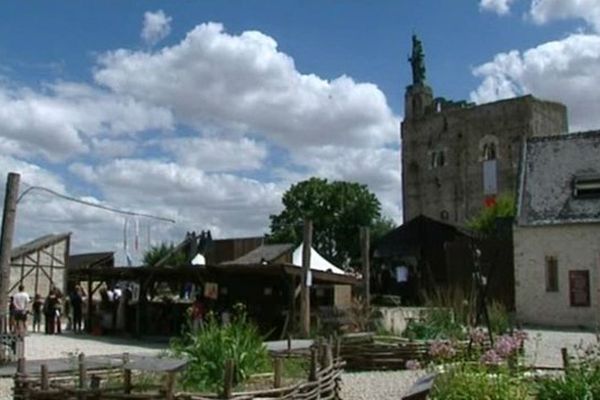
(577, 247)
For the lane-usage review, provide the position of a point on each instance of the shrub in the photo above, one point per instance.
(499, 321)
(209, 348)
(474, 382)
(580, 381)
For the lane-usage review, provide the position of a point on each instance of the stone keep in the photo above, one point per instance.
(457, 156)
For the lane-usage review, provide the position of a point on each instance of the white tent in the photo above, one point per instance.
(317, 262)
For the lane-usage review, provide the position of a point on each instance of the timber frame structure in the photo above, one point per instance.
(40, 264)
(245, 283)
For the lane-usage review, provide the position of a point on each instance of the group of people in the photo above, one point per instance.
(53, 307)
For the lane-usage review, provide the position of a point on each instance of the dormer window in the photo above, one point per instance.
(586, 186)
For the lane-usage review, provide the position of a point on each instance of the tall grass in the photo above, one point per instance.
(208, 349)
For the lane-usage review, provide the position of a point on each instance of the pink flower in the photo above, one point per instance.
(443, 350)
(506, 346)
(413, 364)
(478, 336)
(490, 357)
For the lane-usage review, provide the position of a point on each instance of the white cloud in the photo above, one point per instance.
(500, 7)
(157, 26)
(566, 70)
(379, 169)
(543, 11)
(213, 154)
(198, 200)
(219, 82)
(57, 122)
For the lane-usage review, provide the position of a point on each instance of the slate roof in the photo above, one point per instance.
(86, 260)
(39, 243)
(267, 252)
(548, 167)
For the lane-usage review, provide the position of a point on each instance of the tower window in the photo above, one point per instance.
(551, 274)
(437, 159)
(489, 152)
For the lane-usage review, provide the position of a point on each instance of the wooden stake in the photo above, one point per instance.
(82, 375)
(277, 372)
(305, 290)
(170, 386)
(228, 379)
(44, 376)
(366, 270)
(565, 357)
(314, 365)
(126, 374)
(8, 228)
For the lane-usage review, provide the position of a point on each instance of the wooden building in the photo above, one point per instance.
(436, 255)
(40, 264)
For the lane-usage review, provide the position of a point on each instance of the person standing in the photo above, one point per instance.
(21, 303)
(77, 308)
(37, 306)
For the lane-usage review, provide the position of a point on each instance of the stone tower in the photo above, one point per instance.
(457, 157)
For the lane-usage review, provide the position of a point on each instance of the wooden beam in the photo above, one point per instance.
(8, 228)
(366, 270)
(305, 289)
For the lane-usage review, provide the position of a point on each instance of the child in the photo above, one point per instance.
(38, 303)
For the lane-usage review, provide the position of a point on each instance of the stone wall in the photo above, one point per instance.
(576, 247)
(451, 188)
(395, 319)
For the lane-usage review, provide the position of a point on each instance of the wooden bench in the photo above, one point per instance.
(420, 390)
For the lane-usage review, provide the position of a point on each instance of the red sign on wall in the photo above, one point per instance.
(579, 288)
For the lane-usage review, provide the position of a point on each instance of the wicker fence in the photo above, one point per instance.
(121, 382)
(367, 351)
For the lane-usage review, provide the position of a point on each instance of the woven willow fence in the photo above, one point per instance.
(367, 351)
(323, 382)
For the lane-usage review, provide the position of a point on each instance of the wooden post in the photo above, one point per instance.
(90, 305)
(126, 374)
(364, 250)
(565, 357)
(8, 227)
(305, 290)
(82, 375)
(170, 386)
(44, 377)
(277, 372)
(313, 365)
(289, 344)
(228, 379)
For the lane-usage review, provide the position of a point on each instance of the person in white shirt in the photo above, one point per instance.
(21, 302)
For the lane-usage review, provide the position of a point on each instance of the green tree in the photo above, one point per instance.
(485, 222)
(337, 210)
(156, 253)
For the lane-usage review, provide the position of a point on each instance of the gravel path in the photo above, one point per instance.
(542, 348)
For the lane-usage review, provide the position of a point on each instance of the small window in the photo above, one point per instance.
(489, 152)
(551, 274)
(444, 215)
(441, 159)
(586, 186)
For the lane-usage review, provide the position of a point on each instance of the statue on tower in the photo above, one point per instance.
(417, 61)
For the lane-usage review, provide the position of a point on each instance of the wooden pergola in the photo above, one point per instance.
(238, 277)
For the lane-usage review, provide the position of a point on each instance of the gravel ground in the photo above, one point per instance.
(542, 348)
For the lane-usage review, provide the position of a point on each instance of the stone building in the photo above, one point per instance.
(557, 251)
(456, 156)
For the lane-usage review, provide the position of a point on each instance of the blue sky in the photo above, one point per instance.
(206, 111)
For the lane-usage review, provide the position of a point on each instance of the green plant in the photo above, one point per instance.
(485, 222)
(475, 382)
(209, 348)
(499, 321)
(156, 253)
(581, 379)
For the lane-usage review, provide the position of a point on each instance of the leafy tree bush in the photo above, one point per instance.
(208, 349)
(337, 210)
(485, 222)
(474, 382)
(580, 381)
(156, 253)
